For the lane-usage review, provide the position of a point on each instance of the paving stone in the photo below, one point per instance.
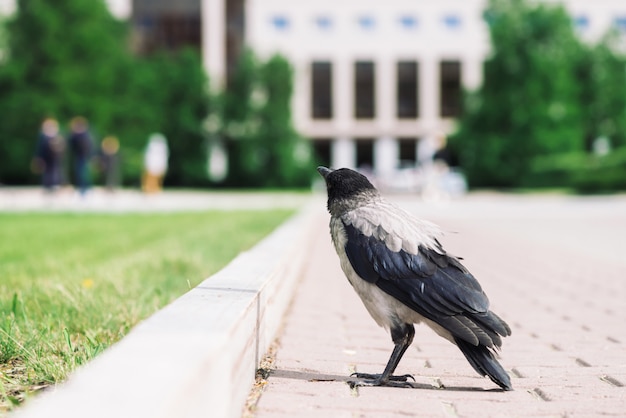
(552, 267)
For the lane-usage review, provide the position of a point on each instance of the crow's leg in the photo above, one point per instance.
(402, 337)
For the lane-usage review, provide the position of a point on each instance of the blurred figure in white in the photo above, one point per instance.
(441, 179)
(155, 163)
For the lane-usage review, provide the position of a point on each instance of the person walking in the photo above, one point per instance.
(108, 161)
(81, 144)
(48, 159)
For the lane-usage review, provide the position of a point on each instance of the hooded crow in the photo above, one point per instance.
(397, 266)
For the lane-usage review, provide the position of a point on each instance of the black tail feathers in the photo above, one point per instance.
(484, 362)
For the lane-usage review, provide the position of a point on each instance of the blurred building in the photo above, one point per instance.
(373, 79)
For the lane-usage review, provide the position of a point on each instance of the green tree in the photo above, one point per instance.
(603, 92)
(184, 105)
(72, 57)
(264, 148)
(529, 102)
(63, 59)
(288, 157)
(245, 155)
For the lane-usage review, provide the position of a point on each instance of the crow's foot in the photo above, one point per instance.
(366, 379)
(402, 378)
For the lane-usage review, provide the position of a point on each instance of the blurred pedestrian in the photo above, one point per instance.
(81, 144)
(48, 159)
(155, 163)
(108, 161)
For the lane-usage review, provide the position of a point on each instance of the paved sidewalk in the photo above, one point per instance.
(554, 269)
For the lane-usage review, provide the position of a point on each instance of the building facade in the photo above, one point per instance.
(374, 79)
(377, 83)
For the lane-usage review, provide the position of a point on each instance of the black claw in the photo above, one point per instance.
(407, 376)
(388, 383)
(366, 379)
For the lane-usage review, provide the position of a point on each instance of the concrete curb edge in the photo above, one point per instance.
(198, 355)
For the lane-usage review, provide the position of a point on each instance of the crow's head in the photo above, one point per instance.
(347, 189)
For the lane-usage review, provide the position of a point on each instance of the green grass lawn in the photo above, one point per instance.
(73, 284)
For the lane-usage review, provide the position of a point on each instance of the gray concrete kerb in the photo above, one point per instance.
(197, 357)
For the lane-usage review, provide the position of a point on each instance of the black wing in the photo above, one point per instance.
(432, 283)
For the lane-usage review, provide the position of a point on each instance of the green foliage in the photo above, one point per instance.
(183, 106)
(287, 160)
(73, 284)
(70, 58)
(580, 171)
(264, 148)
(238, 118)
(545, 93)
(3, 39)
(602, 72)
(71, 48)
(63, 59)
(528, 104)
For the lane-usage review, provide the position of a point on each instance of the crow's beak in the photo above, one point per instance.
(324, 171)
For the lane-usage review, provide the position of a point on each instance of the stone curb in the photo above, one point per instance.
(198, 356)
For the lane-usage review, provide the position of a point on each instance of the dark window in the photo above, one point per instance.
(408, 22)
(452, 21)
(367, 22)
(322, 147)
(581, 22)
(407, 150)
(450, 88)
(280, 23)
(324, 22)
(364, 152)
(166, 26)
(407, 85)
(364, 88)
(321, 90)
